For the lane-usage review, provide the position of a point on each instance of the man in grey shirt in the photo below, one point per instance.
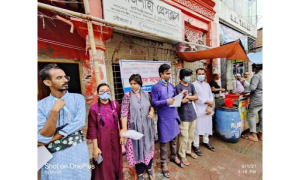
(187, 115)
(256, 93)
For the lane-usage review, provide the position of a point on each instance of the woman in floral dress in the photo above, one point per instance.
(137, 114)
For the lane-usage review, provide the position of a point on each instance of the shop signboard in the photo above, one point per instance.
(152, 16)
(147, 69)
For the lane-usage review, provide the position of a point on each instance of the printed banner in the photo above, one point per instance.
(147, 69)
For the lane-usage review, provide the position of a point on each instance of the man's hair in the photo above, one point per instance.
(238, 75)
(44, 73)
(258, 66)
(137, 78)
(162, 68)
(185, 72)
(200, 69)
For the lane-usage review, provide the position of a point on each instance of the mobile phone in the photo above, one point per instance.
(100, 159)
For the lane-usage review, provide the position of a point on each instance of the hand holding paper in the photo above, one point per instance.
(132, 134)
(177, 102)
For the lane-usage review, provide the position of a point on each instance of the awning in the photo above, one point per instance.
(233, 50)
(255, 57)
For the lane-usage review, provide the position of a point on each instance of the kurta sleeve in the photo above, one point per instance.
(200, 100)
(118, 108)
(254, 83)
(42, 119)
(125, 106)
(92, 125)
(78, 121)
(211, 96)
(156, 102)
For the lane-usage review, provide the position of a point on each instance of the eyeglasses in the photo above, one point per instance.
(60, 77)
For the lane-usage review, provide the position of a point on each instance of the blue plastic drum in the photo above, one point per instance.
(228, 124)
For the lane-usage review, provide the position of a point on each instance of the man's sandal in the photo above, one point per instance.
(166, 173)
(260, 136)
(193, 155)
(151, 174)
(185, 161)
(250, 138)
(141, 177)
(180, 164)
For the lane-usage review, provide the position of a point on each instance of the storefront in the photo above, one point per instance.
(236, 21)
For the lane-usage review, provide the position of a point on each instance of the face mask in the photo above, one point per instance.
(187, 79)
(200, 77)
(164, 81)
(104, 96)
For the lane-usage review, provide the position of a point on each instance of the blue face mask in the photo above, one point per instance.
(104, 96)
(164, 81)
(200, 77)
(187, 79)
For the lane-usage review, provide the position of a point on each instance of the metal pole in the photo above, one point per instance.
(89, 17)
(92, 43)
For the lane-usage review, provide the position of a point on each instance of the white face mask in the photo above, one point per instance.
(200, 77)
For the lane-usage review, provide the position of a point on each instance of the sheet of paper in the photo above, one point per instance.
(132, 134)
(178, 99)
(43, 156)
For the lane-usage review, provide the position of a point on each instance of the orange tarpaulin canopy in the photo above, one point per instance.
(233, 50)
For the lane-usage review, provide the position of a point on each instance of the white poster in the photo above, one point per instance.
(147, 69)
(148, 15)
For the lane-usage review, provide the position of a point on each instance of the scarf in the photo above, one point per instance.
(139, 121)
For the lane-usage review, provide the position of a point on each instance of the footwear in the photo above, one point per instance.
(197, 151)
(193, 155)
(151, 174)
(210, 147)
(250, 137)
(185, 162)
(140, 177)
(166, 173)
(180, 164)
(260, 136)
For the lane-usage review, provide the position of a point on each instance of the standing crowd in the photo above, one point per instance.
(61, 117)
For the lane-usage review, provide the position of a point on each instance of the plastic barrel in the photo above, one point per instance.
(228, 124)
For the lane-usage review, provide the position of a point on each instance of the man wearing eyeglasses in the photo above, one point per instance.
(61, 117)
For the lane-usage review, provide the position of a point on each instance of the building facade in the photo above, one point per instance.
(64, 39)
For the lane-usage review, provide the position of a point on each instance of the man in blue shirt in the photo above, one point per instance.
(61, 117)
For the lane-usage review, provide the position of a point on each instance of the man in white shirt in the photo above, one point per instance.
(239, 83)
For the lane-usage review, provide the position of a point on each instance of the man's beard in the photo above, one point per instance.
(62, 90)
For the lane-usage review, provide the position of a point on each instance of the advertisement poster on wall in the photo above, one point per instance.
(147, 69)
